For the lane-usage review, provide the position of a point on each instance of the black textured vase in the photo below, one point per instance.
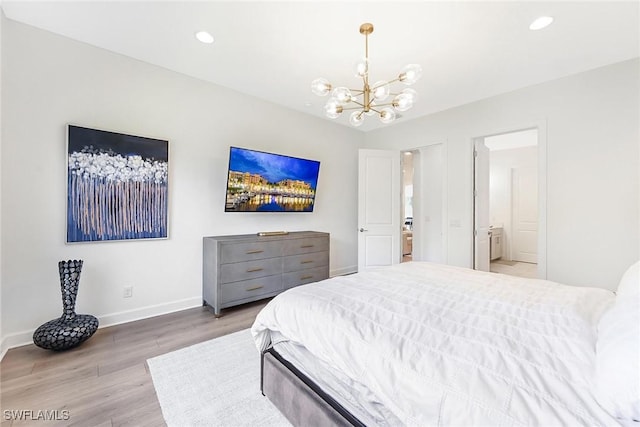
(70, 329)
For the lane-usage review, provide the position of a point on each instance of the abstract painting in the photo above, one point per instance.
(117, 186)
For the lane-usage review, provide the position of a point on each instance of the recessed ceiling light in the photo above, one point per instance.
(204, 37)
(541, 22)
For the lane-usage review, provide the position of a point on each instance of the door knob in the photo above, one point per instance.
(362, 230)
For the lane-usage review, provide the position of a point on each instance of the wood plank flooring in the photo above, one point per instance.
(105, 381)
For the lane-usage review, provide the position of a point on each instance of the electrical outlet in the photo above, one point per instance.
(127, 292)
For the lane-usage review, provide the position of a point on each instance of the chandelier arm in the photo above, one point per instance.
(386, 83)
(382, 105)
(354, 108)
(358, 103)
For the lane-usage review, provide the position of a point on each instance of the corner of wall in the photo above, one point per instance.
(2, 347)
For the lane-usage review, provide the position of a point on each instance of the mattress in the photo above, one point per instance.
(352, 395)
(441, 345)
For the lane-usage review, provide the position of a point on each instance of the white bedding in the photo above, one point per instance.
(442, 345)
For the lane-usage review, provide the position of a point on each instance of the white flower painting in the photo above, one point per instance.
(117, 186)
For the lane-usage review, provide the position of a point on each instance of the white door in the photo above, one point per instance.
(378, 208)
(481, 253)
(524, 242)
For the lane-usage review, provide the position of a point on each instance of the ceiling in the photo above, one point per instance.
(273, 50)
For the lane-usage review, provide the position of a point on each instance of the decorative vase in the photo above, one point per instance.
(70, 329)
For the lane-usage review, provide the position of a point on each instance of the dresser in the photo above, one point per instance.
(244, 268)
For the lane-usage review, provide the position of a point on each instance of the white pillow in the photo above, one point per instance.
(618, 351)
(629, 285)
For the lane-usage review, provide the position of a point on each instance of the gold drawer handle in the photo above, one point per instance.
(255, 288)
(253, 270)
(306, 277)
(256, 251)
(306, 262)
(306, 246)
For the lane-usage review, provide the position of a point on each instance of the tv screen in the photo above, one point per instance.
(267, 182)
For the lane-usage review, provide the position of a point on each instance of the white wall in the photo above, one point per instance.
(500, 200)
(429, 238)
(592, 134)
(49, 81)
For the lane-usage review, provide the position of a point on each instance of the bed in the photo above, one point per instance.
(427, 344)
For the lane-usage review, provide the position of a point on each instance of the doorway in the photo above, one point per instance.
(511, 216)
(407, 205)
(423, 213)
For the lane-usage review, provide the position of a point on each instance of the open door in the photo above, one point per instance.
(481, 252)
(378, 208)
(524, 242)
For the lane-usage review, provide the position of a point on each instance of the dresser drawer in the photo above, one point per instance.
(295, 278)
(302, 246)
(250, 289)
(250, 269)
(305, 261)
(249, 251)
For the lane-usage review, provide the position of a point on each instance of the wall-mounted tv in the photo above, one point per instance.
(268, 182)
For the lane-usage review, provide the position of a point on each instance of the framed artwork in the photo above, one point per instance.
(117, 186)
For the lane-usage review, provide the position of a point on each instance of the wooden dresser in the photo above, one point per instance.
(243, 268)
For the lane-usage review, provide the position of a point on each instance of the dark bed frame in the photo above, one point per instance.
(299, 399)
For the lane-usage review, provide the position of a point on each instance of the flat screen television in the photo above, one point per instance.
(266, 182)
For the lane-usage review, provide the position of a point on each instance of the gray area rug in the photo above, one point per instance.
(214, 383)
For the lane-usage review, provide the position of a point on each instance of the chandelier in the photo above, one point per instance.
(371, 99)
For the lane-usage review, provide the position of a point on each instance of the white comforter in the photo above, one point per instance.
(442, 345)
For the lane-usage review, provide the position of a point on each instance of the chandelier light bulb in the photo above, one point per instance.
(332, 108)
(356, 118)
(342, 94)
(387, 115)
(320, 86)
(361, 67)
(405, 99)
(410, 74)
(380, 90)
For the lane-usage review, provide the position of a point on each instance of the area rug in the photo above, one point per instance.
(214, 383)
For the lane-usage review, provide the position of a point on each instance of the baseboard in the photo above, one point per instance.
(344, 271)
(19, 339)
(149, 311)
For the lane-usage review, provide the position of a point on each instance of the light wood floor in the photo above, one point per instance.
(105, 381)
(515, 268)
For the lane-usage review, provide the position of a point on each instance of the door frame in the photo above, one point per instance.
(541, 126)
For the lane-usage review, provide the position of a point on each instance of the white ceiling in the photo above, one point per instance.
(273, 50)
